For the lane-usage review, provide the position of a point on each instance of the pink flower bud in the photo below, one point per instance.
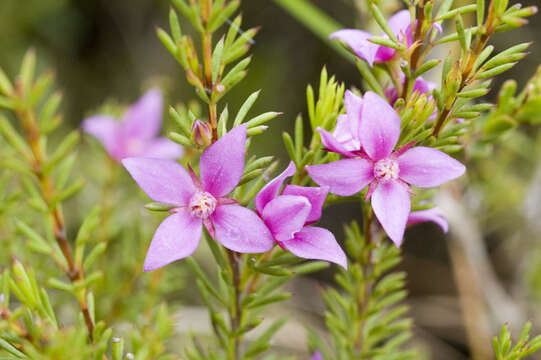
(201, 133)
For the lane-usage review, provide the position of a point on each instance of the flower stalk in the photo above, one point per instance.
(73, 271)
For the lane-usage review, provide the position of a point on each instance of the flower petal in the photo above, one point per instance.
(423, 86)
(271, 190)
(380, 127)
(435, 215)
(426, 167)
(177, 237)
(316, 243)
(391, 204)
(354, 105)
(163, 148)
(344, 135)
(400, 24)
(144, 118)
(384, 54)
(164, 181)
(106, 129)
(241, 230)
(343, 177)
(285, 215)
(222, 164)
(331, 143)
(315, 195)
(357, 40)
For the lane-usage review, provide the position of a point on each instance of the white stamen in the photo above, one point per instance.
(386, 169)
(202, 204)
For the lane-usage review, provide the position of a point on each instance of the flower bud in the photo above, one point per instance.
(201, 133)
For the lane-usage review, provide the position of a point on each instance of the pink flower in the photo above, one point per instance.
(137, 134)
(317, 355)
(434, 214)
(359, 40)
(200, 202)
(388, 173)
(288, 214)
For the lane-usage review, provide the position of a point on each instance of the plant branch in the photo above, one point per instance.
(47, 187)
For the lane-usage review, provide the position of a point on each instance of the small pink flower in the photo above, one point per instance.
(317, 355)
(200, 202)
(388, 173)
(359, 40)
(137, 134)
(288, 215)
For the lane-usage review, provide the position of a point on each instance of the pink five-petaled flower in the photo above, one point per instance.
(137, 134)
(200, 202)
(389, 173)
(360, 44)
(288, 214)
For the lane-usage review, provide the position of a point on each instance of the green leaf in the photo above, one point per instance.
(262, 301)
(28, 69)
(262, 343)
(167, 41)
(156, 206)
(94, 254)
(382, 22)
(6, 88)
(261, 119)
(219, 17)
(62, 151)
(290, 147)
(222, 122)
(427, 66)
(37, 242)
(246, 106)
(216, 61)
(495, 71)
(179, 139)
(89, 224)
(13, 138)
(11, 349)
(175, 26)
(117, 348)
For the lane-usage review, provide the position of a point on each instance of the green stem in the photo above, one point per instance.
(235, 311)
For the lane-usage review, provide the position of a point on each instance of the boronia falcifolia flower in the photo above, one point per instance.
(200, 202)
(372, 130)
(137, 133)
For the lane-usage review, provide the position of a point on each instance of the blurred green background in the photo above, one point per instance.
(105, 49)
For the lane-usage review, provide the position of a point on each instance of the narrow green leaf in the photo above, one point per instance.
(261, 119)
(28, 69)
(382, 22)
(246, 106)
(175, 26)
(6, 88)
(216, 61)
(180, 139)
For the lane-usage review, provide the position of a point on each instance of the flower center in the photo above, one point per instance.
(386, 169)
(202, 204)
